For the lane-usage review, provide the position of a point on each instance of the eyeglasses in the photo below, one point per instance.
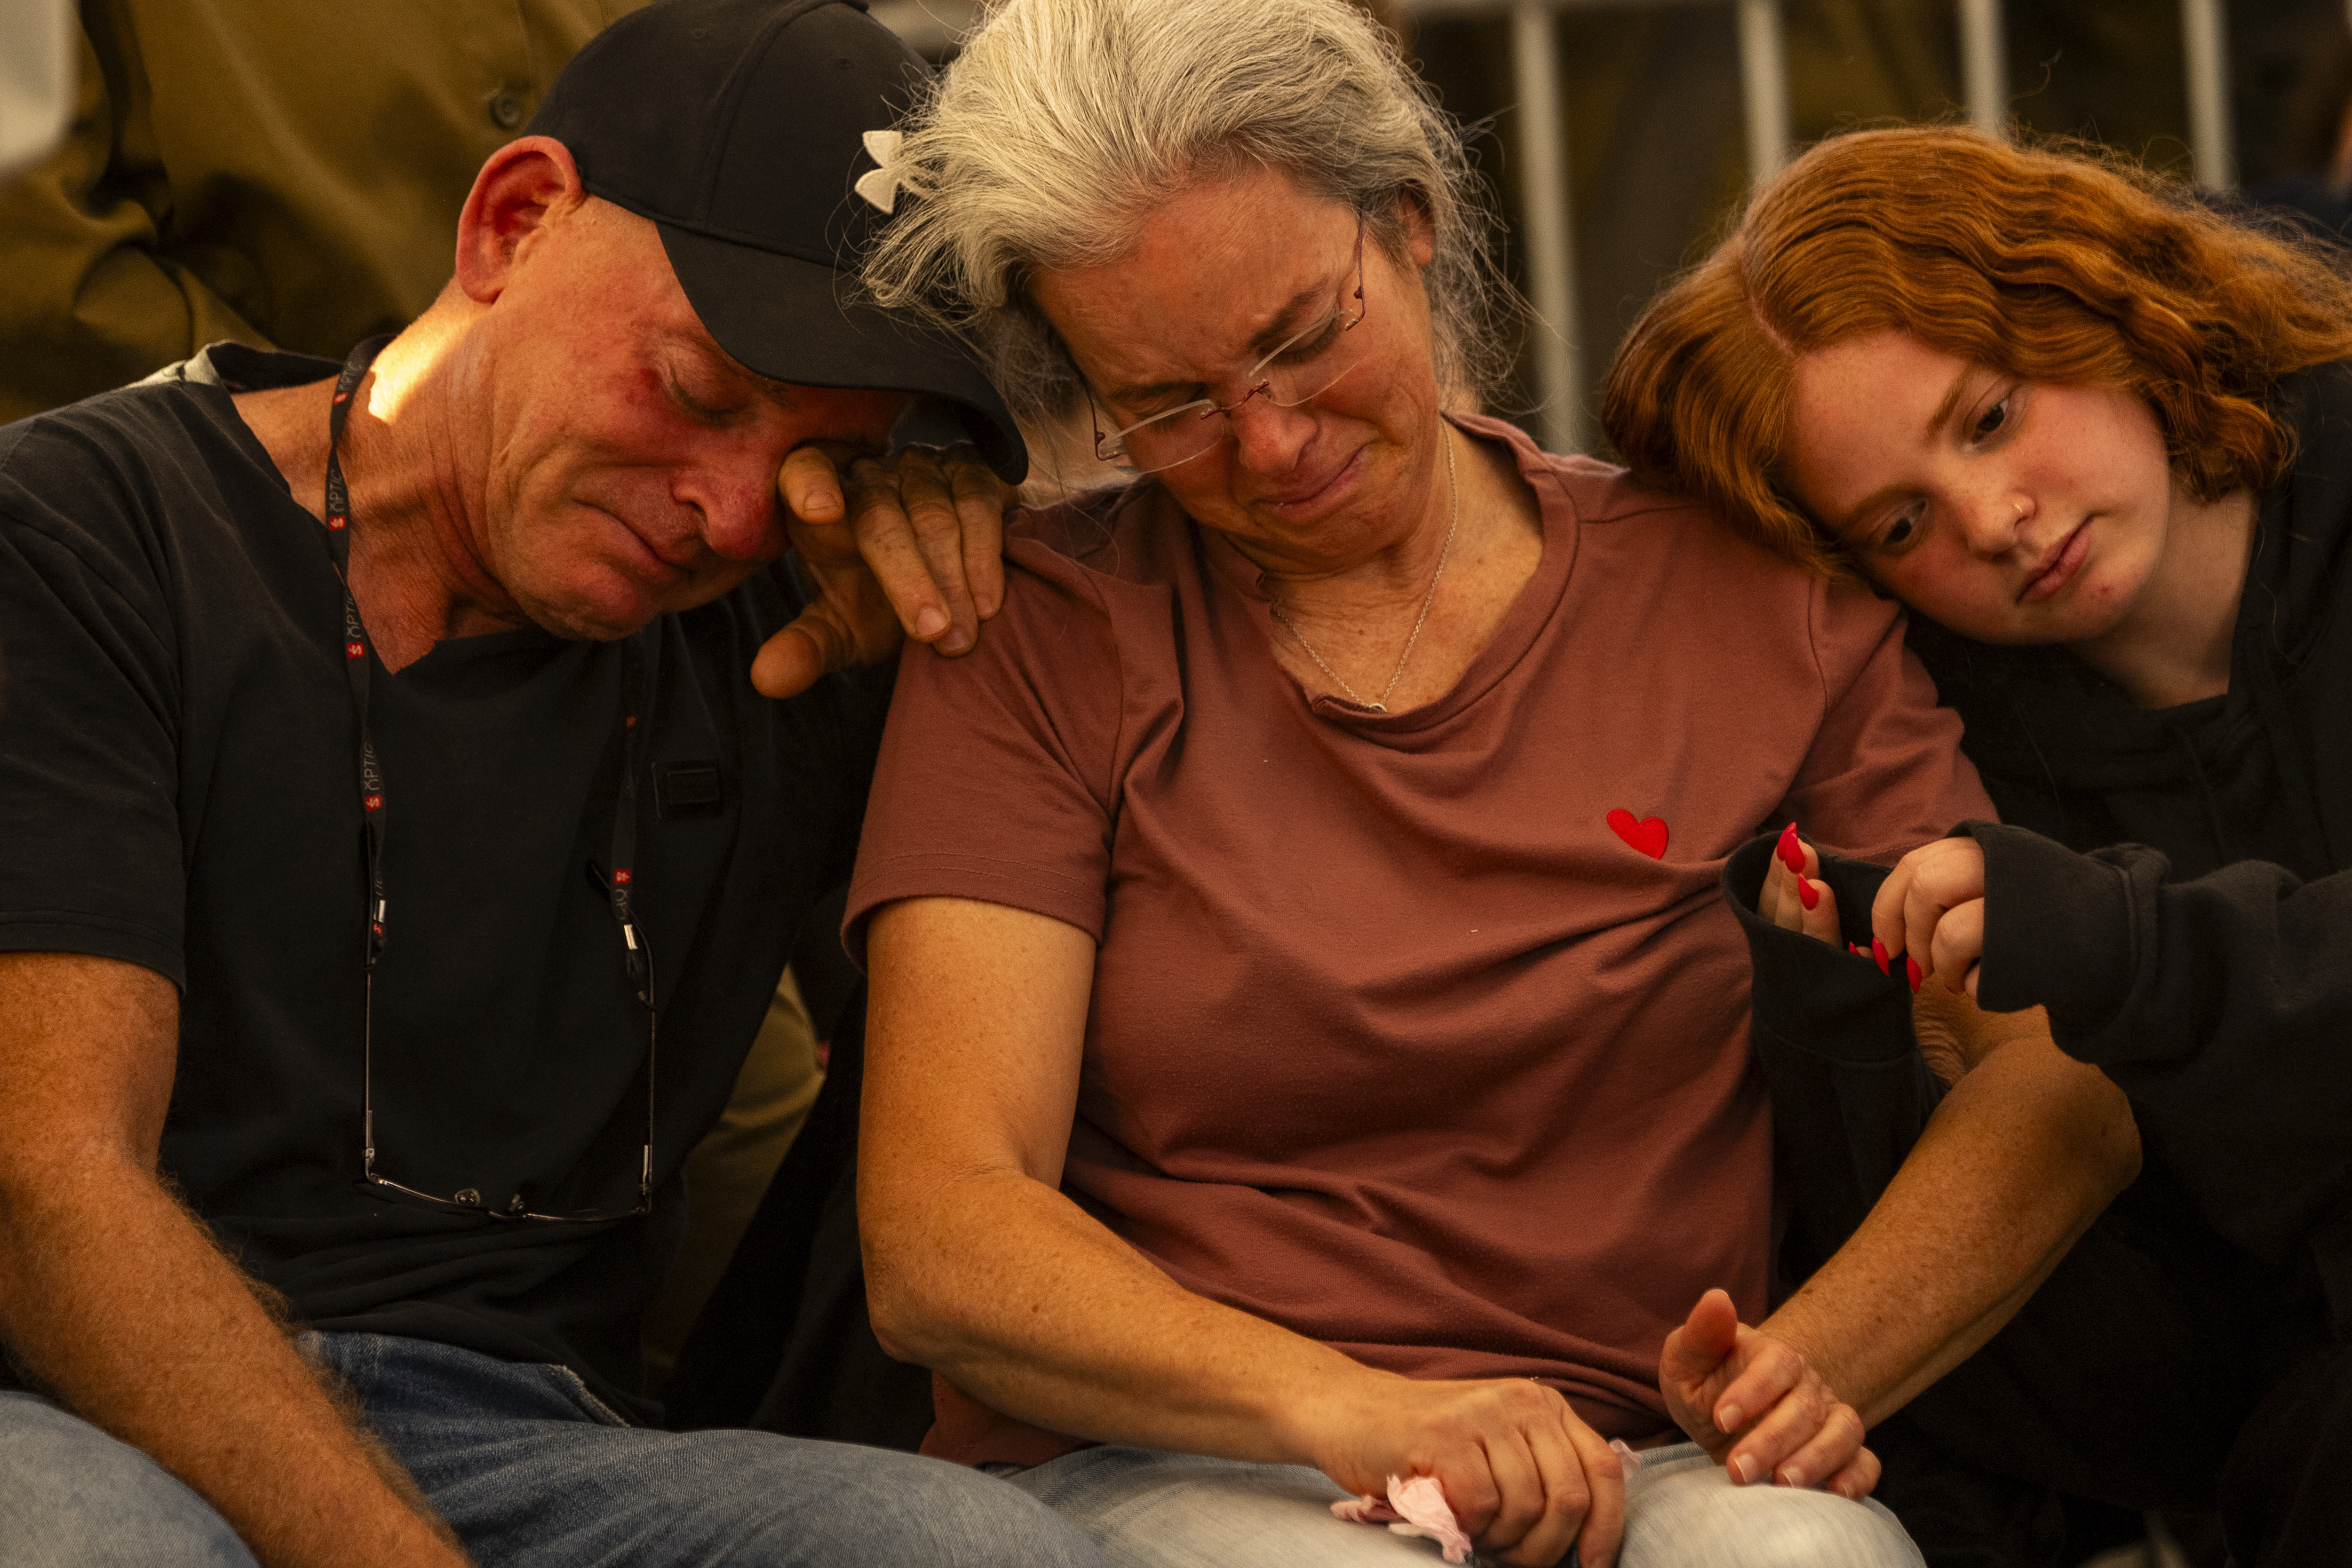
(1301, 370)
(469, 1200)
(637, 955)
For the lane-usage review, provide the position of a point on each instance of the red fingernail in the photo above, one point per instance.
(1878, 951)
(1855, 948)
(1791, 853)
(1805, 894)
(1911, 966)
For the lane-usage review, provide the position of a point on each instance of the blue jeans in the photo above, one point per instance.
(1149, 1510)
(534, 1472)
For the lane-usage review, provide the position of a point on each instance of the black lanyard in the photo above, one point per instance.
(376, 807)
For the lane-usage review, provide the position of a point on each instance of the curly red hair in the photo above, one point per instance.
(2055, 266)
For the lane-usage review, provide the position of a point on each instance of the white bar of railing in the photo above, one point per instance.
(1984, 67)
(2204, 39)
(1550, 250)
(1764, 87)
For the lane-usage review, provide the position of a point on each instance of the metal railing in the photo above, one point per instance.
(1542, 175)
(1549, 242)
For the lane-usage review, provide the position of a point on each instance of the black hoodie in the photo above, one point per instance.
(2204, 961)
(2175, 885)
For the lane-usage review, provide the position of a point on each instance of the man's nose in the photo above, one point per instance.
(738, 516)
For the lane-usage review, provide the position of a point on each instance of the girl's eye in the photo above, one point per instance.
(1990, 423)
(1900, 531)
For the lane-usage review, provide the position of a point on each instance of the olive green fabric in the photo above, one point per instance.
(728, 1172)
(286, 174)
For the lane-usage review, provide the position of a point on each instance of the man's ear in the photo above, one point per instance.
(523, 186)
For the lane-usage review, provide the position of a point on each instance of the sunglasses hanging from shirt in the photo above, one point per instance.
(377, 813)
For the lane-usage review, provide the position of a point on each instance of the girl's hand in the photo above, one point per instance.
(1757, 1406)
(1930, 911)
(1792, 898)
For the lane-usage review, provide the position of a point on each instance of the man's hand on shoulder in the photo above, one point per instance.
(911, 546)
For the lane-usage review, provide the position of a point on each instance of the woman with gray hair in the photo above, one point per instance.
(1308, 1050)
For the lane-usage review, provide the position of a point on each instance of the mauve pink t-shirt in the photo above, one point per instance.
(1395, 1040)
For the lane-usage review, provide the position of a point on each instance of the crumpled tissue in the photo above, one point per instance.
(1417, 1506)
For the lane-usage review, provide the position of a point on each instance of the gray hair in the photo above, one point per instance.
(1064, 122)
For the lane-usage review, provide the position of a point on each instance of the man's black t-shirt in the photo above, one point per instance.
(179, 787)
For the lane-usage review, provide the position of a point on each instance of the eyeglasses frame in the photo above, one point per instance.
(1211, 406)
(639, 950)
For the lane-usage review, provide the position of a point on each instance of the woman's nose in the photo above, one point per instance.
(1271, 438)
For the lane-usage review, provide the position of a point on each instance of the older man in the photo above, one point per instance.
(395, 857)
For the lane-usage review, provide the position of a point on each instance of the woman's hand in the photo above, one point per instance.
(1757, 1406)
(912, 547)
(1931, 909)
(1526, 1478)
(1793, 897)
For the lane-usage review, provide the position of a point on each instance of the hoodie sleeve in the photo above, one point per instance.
(1832, 1036)
(2222, 1007)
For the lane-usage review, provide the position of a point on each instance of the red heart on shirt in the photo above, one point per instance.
(1648, 835)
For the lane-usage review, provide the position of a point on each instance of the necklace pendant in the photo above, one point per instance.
(1376, 708)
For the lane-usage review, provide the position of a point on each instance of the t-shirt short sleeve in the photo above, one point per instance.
(996, 777)
(1885, 773)
(89, 706)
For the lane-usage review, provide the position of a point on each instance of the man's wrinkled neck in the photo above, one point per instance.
(417, 512)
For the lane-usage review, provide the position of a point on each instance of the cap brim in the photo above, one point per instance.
(793, 320)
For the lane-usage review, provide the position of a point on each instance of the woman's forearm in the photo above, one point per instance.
(2023, 1154)
(1029, 1304)
(978, 1266)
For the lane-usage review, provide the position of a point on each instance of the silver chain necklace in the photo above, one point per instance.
(1454, 486)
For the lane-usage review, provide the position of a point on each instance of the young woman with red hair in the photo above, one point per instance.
(2098, 437)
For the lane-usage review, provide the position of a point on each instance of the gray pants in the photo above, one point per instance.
(1151, 1509)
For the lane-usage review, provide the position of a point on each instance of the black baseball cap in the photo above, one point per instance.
(738, 126)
